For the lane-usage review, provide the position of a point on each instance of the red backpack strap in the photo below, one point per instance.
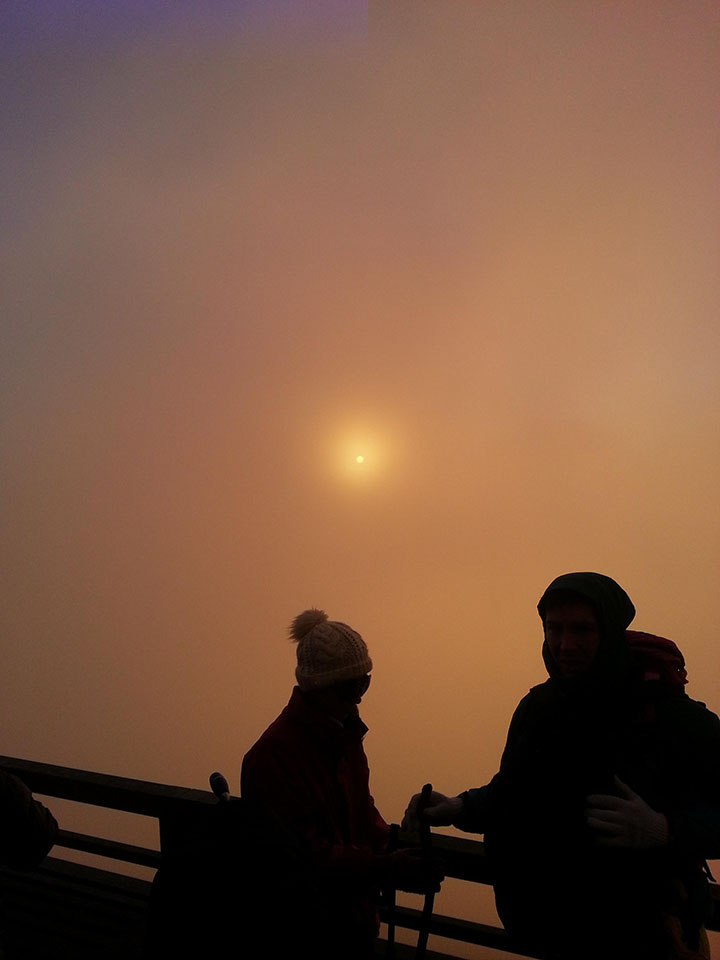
(658, 658)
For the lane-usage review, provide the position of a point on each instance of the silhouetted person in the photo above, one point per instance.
(607, 800)
(27, 829)
(236, 883)
(310, 770)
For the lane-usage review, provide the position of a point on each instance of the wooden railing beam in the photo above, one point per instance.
(102, 790)
(112, 849)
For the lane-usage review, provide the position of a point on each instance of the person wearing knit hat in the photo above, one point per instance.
(607, 799)
(309, 768)
(328, 652)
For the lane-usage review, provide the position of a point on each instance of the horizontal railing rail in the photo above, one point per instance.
(182, 811)
(110, 849)
(179, 810)
(102, 790)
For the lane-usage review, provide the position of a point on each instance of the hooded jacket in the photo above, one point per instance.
(570, 737)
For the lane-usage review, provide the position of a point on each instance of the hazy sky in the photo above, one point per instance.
(245, 243)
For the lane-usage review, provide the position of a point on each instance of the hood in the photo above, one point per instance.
(614, 611)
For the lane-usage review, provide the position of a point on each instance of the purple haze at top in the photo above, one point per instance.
(109, 21)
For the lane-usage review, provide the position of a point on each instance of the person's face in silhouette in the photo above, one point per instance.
(362, 687)
(351, 692)
(572, 634)
(342, 699)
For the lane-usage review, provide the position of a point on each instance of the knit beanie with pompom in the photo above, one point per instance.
(328, 651)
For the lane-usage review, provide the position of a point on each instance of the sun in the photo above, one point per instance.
(360, 456)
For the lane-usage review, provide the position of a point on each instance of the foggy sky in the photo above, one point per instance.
(478, 247)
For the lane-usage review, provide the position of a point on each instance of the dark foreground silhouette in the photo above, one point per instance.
(246, 876)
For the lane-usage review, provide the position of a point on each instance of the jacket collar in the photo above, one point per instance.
(326, 730)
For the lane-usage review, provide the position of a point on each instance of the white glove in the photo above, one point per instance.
(625, 821)
(441, 811)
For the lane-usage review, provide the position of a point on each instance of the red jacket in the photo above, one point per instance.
(311, 771)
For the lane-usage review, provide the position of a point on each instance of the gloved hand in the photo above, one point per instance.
(410, 871)
(625, 820)
(441, 811)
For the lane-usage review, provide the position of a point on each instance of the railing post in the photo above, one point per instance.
(184, 831)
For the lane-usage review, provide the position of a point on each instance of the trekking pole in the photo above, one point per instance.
(426, 847)
(390, 894)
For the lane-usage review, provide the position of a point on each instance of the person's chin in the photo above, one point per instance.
(572, 668)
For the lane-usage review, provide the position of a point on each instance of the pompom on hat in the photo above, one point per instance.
(328, 651)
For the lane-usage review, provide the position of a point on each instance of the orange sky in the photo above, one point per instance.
(479, 248)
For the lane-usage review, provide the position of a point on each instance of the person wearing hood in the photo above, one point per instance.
(607, 801)
(309, 769)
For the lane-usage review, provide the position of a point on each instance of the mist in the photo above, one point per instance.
(474, 243)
